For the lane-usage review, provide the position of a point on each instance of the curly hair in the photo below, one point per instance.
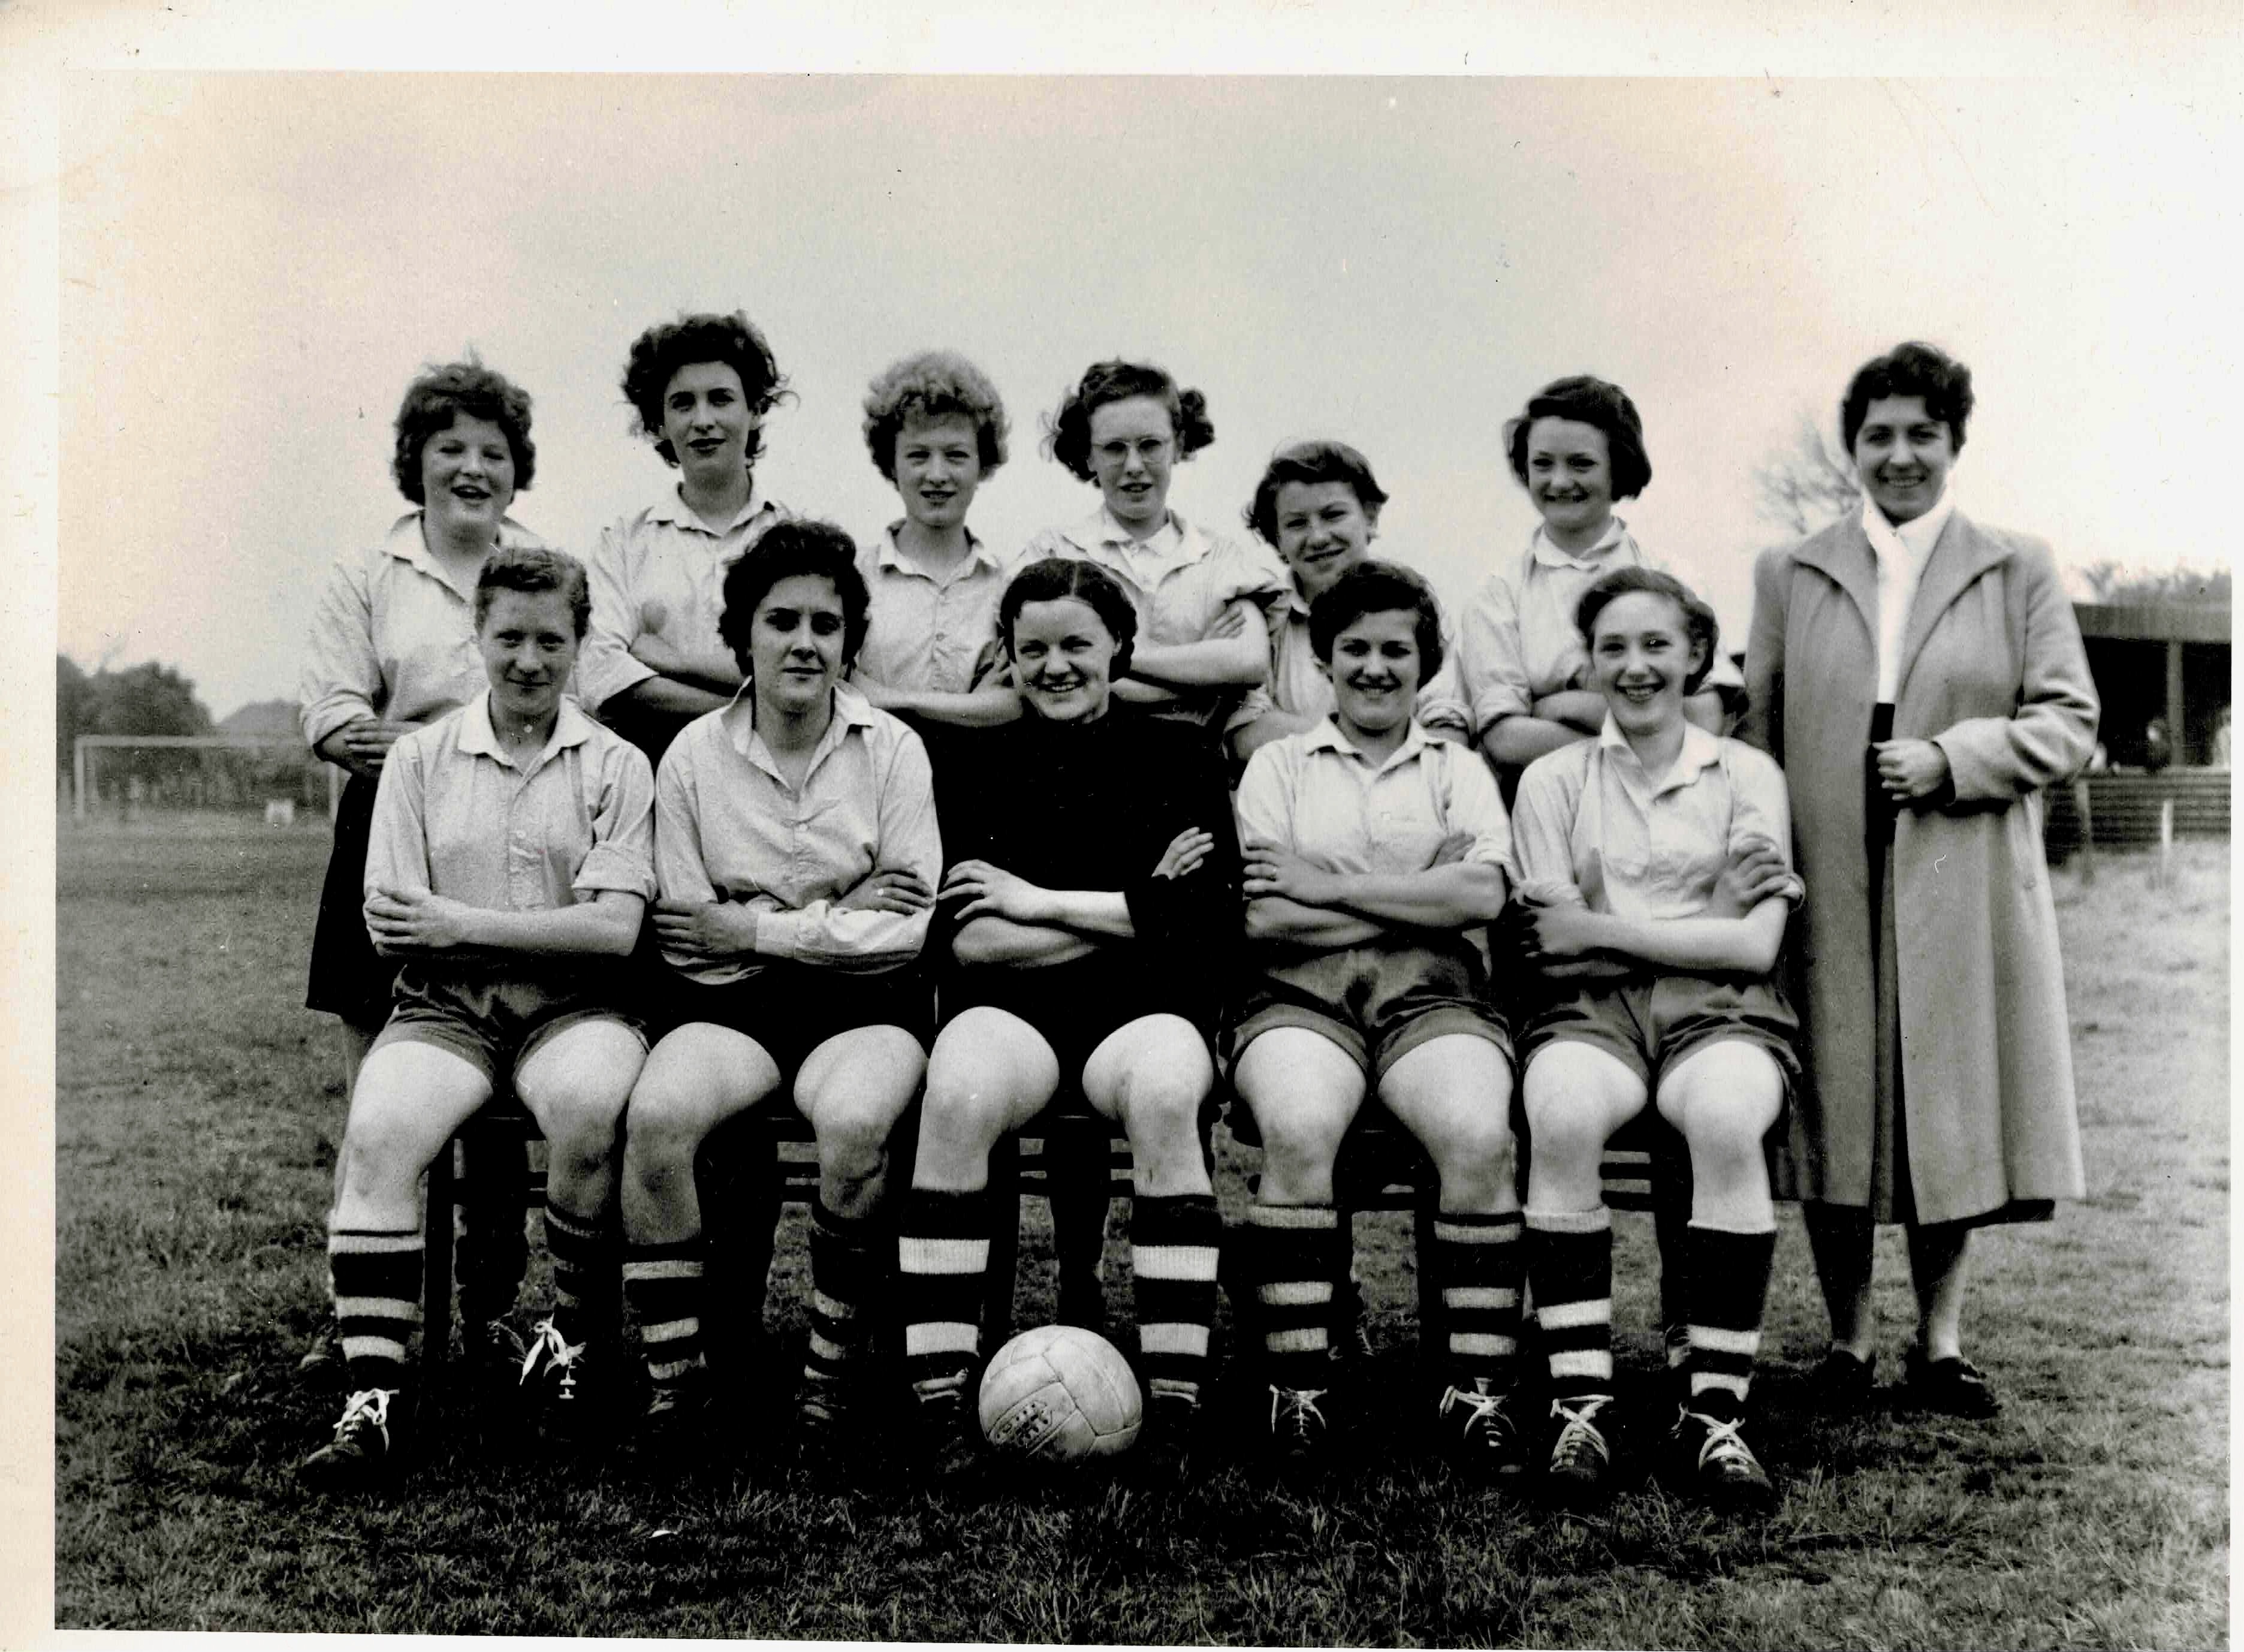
(1372, 586)
(1311, 462)
(1052, 579)
(1911, 370)
(930, 385)
(787, 549)
(532, 569)
(1699, 621)
(442, 394)
(1588, 401)
(1067, 431)
(657, 354)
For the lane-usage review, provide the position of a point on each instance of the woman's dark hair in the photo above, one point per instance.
(785, 550)
(1372, 586)
(657, 354)
(928, 386)
(1588, 401)
(1053, 578)
(1698, 622)
(1911, 370)
(532, 569)
(440, 395)
(1311, 462)
(1067, 432)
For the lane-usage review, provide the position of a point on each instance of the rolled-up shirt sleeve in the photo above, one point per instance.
(397, 846)
(1475, 805)
(856, 938)
(342, 678)
(606, 667)
(1492, 670)
(622, 856)
(1543, 830)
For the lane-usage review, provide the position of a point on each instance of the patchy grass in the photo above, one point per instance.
(197, 1118)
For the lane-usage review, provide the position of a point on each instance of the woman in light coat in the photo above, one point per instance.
(1921, 678)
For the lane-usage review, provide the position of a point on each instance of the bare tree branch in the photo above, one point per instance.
(1808, 485)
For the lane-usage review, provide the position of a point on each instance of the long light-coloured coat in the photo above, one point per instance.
(1992, 671)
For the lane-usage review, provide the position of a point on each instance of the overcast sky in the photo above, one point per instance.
(254, 268)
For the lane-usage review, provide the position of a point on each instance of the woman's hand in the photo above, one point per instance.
(992, 892)
(417, 923)
(706, 930)
(1561, 932)
(1756, 871)
(1273, 870)
(1185, 853)
(361, 744)
(1232, 622)
(903, 891)
(1909, 769)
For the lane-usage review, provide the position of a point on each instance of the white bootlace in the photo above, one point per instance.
(1722, 1441)
(1482, 1405)
(1291, 1409)
(548, 1347)
(1579, 1433)
(368, 1408)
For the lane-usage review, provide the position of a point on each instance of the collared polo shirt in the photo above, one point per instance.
(661, 573)
(454, 816)
(392, 636)
(1299, 685)
(1318, 794)
(730, 827)
(927, 633)
(1592, 830)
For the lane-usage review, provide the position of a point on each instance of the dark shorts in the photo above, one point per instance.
(349, 977)
(494, 1024)
(790, 1009)
(1077, 1005)
(1650, 1023)
(1377, 1002)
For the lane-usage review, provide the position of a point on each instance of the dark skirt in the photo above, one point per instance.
(349, 977)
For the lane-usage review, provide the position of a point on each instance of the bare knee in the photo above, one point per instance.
(1161, 1104)
(1474, 1157)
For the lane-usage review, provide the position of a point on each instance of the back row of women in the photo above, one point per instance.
(1100, 916)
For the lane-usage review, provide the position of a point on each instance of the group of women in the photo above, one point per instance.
(872, 827)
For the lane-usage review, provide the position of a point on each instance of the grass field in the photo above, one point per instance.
(198, 1112)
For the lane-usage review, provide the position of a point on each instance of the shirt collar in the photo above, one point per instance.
(1700, 749)
(1326, 736)
(851, 710)
(404, 541)
(1174, 540)
(479, 735)
(670, 506)
(890, 555)
(1915, 537)
(1597, 557)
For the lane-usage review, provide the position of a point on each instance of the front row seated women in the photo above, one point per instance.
(1092, 908)
(796, 848)
(1374, 857)
(507, 872)
(1653, 866)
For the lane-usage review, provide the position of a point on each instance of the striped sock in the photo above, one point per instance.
(943, 1252)
(377, 1279)
(663, 1284)
(1729, 1289)
(1479, 1263)
(1174, 1244)
(586, 1254)
(1293, 1256)
(844, 1270)
(1569, 1261)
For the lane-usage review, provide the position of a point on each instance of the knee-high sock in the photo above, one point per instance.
(663, 1284)
(844, 1273)
(375, 1276)
(1295, 1259)
(1729, 1291)
(942, 1254)
(1174, 1244)
(1480, 1263)
(587, 1256)
(1569, 1262)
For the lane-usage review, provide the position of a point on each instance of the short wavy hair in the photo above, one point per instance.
(533, 568)
(1588, 401)
(657, 354)
(1067, 430)
(819, 549)
(1052, 579)
(438, 397)
(930, 385)
(1699, 621)
(1311, 462)
(1373, 586)
(1911, 370)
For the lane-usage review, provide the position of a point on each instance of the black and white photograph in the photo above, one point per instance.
(1354, 834)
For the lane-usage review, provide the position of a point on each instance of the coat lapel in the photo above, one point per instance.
(1962, 554)
(1842, 551)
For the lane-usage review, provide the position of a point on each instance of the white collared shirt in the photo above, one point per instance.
(455, 817)
(1318, 794)
(1900, 553)
(729, 826)
(1591, 829)
(392, 636)
(660, 573)
(1298, 683)
(927, 633)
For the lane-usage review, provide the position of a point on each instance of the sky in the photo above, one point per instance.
(253, 267)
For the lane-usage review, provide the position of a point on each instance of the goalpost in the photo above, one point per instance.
(273, 770)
